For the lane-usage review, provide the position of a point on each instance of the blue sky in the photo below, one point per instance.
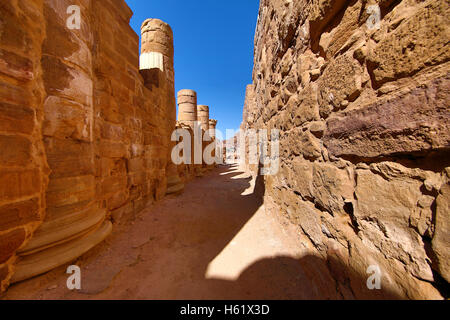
(213, 49)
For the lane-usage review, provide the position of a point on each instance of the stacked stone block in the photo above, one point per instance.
(187, 107)
(361, 100)
(86, 133)
(23, 166)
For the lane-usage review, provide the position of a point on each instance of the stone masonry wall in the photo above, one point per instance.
(23, 167)
(363, 111)
(84, 137)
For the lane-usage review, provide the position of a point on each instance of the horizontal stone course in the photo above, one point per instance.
(10, 242)
(19, 213)
(412, 122)
(364, 138)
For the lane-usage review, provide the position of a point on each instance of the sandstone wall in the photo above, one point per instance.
(85, 138)
(364, 145)
(23, 167)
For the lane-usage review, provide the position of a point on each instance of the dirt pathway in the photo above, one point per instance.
(215, 241)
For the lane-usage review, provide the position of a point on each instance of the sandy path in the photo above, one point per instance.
(215, 241)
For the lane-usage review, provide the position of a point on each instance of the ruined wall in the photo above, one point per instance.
(23, 167)
(364, 145)
(76, 114)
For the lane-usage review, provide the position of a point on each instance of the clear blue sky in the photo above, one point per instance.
(213, 49)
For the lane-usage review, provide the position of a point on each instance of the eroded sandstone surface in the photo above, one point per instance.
(359, 90)
(85, 128)
(363, 111)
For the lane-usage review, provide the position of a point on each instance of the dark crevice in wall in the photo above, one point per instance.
(388, 6)
(439, 283)
(348, 208)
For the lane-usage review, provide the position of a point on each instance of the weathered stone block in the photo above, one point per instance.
(331, 41)
(321, 13)
(15, 151)
(72, 45)
(383, 210)
(63, 80)
(16, 66)
(13, 94)
(121, 93)
(441, 239)
(340, 81)
(118, 215)
(305, 215)
(15, 118)
(65, 191)
(114, 184)
(109, 108)
(66, 119)
(19, 213)
(137, 178)
(68, 158)
(112, 131)
(112, 149)
(301, 177)
(417, 41)
(4, 271)
(19, 183)
(135, 165)
(302, 143)
(331, 187)
(10, 242)
(304, 107)
(12, 34)
(411, 122)
(117, 200)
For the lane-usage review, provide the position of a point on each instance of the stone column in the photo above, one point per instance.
(188, 115)
(74, 222)
(156, 65)
(212, 128)
(187, 171)
(203, 116)
(157, 48)
(203, 119)
(212, 134)
(187, 107)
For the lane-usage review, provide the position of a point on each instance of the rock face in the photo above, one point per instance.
(362, 103)
(85, 127)
(23, 166)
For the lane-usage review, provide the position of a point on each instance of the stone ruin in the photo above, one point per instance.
(360, 91)
(190, 115)
(85, 129)
(360, 96)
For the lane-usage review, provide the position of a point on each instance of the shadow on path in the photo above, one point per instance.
(164, 253)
